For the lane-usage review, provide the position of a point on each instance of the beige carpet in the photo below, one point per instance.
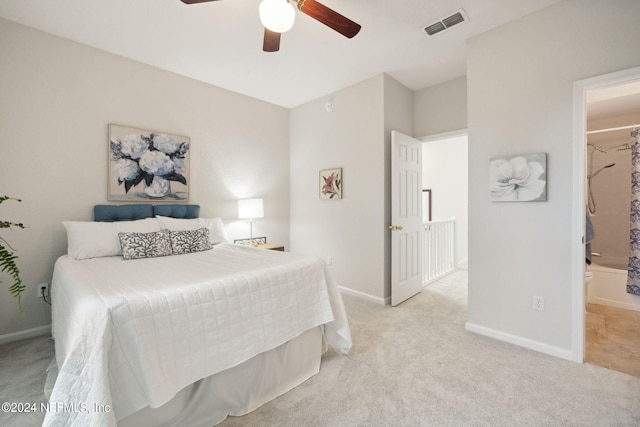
(412, 365)
(22, 378)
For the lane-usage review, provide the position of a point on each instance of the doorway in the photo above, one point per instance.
(445, 176)
(612, 113)
(599, 102)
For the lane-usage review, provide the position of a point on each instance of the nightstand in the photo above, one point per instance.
(271, 247)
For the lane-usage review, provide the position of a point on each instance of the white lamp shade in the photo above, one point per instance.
(250, 208)
(277, 15)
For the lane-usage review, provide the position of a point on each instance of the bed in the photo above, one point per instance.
(187, 337)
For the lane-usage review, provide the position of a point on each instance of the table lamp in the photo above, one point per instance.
(250, 209)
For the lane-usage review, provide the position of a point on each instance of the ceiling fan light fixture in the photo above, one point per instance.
(277, 15)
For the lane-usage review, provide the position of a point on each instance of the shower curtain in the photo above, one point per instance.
(633, 278)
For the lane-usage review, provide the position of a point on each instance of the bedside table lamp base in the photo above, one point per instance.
(251, 242)
(250, 209)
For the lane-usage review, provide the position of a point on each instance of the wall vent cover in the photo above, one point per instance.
(446, 23)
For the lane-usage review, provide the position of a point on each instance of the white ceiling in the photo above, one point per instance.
(221, 42)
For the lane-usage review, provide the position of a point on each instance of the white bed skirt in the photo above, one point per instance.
(238, 390)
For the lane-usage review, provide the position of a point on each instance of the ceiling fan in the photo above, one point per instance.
(277, 16)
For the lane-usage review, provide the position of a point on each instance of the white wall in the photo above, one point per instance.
(440, 108)
(57, 99)
(445, 171)
(354, 136)
(520, 100)
(350, 137)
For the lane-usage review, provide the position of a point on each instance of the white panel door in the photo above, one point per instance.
(407, 230)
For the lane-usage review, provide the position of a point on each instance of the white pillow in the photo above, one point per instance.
(217, 233)
(89, 239)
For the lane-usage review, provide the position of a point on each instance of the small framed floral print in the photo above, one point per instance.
(331, 184)
(518, 178)
(147, 165)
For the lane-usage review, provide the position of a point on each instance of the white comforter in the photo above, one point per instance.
(131, 334)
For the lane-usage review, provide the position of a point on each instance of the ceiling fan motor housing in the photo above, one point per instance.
(278, 16)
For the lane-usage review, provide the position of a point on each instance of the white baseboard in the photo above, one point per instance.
(362, 295)
(612, 303)
(27, 333)
(522, 342)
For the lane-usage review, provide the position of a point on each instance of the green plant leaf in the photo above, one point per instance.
(8, 261)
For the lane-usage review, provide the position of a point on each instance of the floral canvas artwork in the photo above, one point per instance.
(519, 178)
(331, 184)
(147, 165)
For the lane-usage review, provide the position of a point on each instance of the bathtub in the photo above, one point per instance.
(609, 287)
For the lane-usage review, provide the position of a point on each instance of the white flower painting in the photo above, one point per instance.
(147, 165)
(519, 178)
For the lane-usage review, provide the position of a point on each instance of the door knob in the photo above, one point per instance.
(395, 227)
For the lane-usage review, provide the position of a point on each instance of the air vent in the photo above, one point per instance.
(446, 23)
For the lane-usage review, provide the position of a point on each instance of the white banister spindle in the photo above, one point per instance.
(439, 249)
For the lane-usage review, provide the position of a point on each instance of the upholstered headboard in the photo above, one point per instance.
(112, 213)
(177, 211)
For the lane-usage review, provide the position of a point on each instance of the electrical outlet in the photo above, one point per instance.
(329, 260)
(538, 303)
(43, 290)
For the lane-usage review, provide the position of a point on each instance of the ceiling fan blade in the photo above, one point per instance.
(195, 1)
(329, 17)
(271, 41)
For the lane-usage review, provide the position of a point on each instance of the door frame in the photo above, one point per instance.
(580, 89)
(444, 135)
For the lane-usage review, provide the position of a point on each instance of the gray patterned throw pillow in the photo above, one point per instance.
(187, 241)
(145, 245)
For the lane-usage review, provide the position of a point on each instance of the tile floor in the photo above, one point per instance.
(612, 337)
